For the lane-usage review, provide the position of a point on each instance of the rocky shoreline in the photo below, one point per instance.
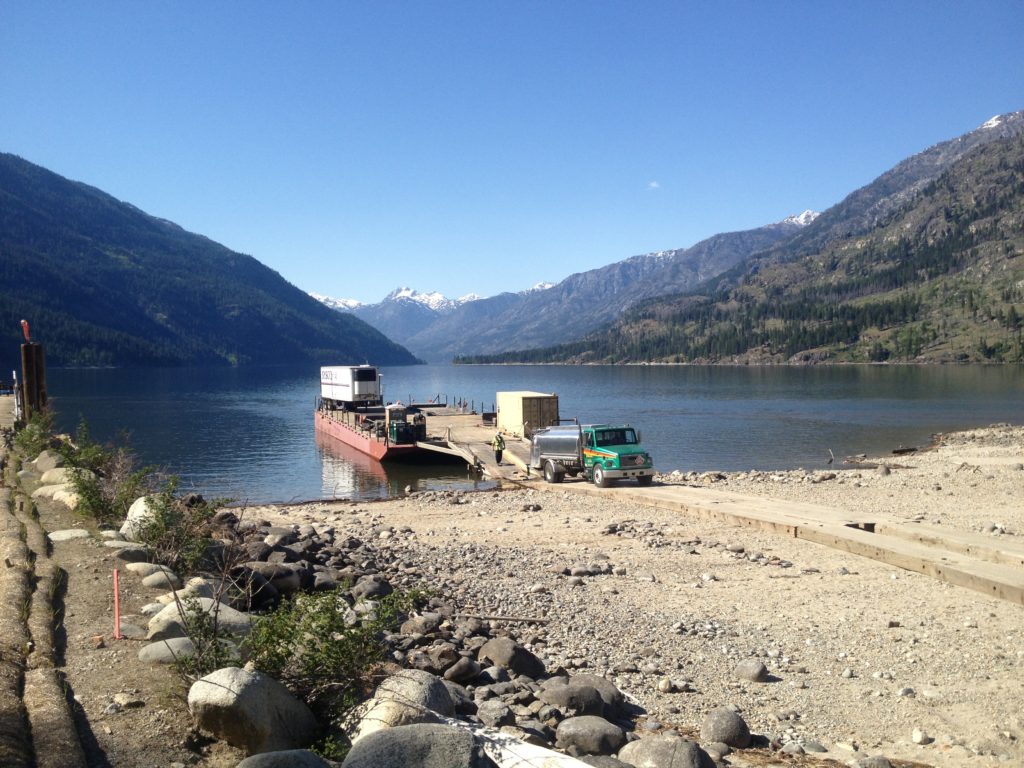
(663, 628)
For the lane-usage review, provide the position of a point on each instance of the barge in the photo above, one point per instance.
(351, 409)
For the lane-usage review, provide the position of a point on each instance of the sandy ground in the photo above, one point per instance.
(865, 658)
(861, 654)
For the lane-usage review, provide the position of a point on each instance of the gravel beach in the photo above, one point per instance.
(863, 658)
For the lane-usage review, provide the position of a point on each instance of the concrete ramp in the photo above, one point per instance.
(966, 559)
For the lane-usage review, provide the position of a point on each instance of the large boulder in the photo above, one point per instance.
(507, 653)
(411, 696)
(47, 460)
(251, 711)
(589, 735)
(418, 746)
(610, 694)
(724, 725)
(60, 476)
(171, 621)
(665, 751)
(139, 514)
(287, 758)
(573, 698)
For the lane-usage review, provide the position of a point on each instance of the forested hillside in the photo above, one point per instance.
(939, 278)
(103, 283)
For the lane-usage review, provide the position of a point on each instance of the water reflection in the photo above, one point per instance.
(350, 474)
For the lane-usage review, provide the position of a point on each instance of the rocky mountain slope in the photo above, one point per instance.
(578, 304)
(923, 264)
(103, 283)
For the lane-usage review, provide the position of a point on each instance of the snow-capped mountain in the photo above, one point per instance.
(802, 219)
(541, 286)
(342, 305)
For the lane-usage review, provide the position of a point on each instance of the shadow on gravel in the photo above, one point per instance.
(95, 757)
(60, 632)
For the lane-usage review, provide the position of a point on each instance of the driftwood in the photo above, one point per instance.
(972, 467)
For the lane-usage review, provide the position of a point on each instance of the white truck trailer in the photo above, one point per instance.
(347, 387)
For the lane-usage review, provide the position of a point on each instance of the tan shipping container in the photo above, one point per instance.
(520, 413)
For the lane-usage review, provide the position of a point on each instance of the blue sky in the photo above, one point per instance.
(485, 146)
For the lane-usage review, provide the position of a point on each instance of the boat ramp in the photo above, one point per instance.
(993, 566)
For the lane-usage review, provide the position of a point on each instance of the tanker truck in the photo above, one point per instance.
(602, 453)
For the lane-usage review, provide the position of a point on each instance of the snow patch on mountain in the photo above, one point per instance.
(541, 286)
(342, 305)
(802, 219)
(993, 122)
(433, 300)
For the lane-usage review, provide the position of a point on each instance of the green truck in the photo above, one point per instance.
(603, 453)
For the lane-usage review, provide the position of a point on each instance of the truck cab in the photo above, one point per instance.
(614, 452)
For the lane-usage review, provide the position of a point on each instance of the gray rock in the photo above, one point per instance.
(876, 761)
(163, 579)
(422, 624)
(612, 696)
(139, 514)
(373, 585)
(505, 652)
(415, 687)
(417, 746)
(130, 553)
(573, 699)
(142, 570)
(68, 534)
(47, 460)
(170, 622)
(59, 476)
(752, 670)
(462, 671)
(464, 705)
(589, 735)
(250, 710)
(665, 751)
(602, 761)
(289, 758)
(495, 713)
(409, 697)
(724, 725)
(283, 577)
(167, 651)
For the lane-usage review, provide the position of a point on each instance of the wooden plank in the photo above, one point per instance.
(961, 558)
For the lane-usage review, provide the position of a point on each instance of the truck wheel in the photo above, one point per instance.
(645, 480)
(600, 479)
(551, 473)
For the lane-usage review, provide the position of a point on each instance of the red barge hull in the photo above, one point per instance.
(341, 426)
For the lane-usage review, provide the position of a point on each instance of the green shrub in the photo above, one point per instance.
(307, 645)
(177, 530)
(211, 652)
(107, 480)
(36, 435)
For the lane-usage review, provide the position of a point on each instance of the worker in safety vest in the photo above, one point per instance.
(498, 443)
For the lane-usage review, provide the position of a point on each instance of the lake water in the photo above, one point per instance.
(247, 434)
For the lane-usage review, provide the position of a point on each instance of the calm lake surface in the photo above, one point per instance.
(247, 434)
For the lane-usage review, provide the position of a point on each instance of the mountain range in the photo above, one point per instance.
(103, 283)
(922, 264)
(435, 328)
(925, 264)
